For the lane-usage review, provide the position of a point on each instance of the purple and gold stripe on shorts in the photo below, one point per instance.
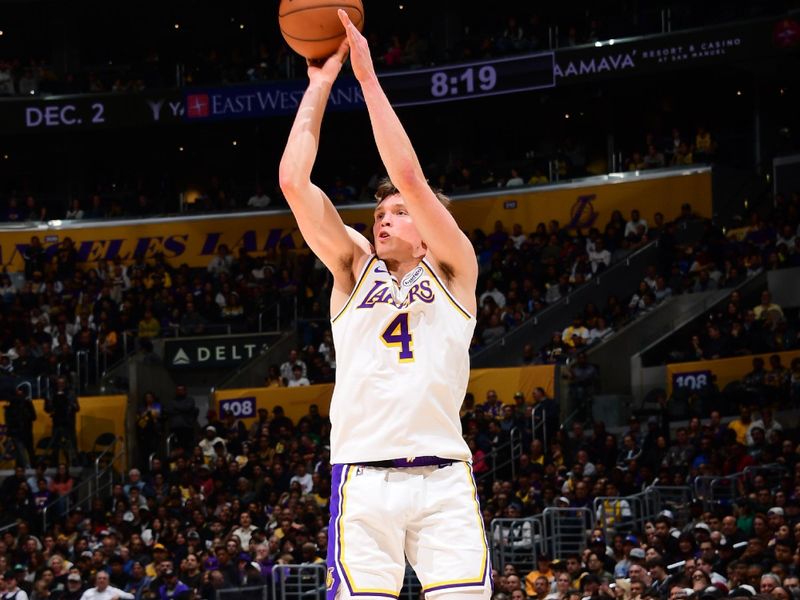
(481, 580)
(338, 570)
(334, 578)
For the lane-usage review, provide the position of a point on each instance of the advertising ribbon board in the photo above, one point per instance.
(194, 239)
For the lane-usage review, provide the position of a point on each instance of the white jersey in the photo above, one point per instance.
(402, 367)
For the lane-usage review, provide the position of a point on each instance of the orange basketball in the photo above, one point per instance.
(312, 27)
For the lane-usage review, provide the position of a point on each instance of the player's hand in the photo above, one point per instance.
(327, 70)
(360, 58)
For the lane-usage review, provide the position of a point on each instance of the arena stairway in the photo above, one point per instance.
(618, 356)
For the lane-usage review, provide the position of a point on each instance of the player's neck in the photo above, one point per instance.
(399, 268)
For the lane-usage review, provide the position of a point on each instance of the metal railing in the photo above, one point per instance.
(626, 514)
(172, 439)
(299, 582)
(517, 542)
(82, 370)
(255, 592)
(539, 422)
(559, 532)
(275, 306)
(43, 391)
(718, 490)
(11, 525)
(772, 474)
(677, 499)
(614, 514)
(629, 514)
(714, 491)
(308, 582)
(504, 455)
(106, 471)
(99, 356)
(65, 503)
(556, 532)
(97, 485)
(26, 385)
(566, 530)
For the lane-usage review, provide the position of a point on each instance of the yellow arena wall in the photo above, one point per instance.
(296, 401)
(98, 414)
(725, 370)
(195, 239)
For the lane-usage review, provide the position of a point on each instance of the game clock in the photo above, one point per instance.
(469, 80)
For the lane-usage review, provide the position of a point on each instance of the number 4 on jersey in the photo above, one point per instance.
(398, 334)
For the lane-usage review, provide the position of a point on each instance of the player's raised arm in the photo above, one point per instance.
(438, 228)
(323, 229)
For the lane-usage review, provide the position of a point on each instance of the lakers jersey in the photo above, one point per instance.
(402, 366)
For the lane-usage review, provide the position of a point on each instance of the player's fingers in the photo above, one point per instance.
(352, 31)
(343, 17)
(347, 31)
(344, 49)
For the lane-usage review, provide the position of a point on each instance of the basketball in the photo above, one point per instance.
(312, 27)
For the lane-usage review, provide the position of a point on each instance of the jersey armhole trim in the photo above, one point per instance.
(456, 304)
(359, 283)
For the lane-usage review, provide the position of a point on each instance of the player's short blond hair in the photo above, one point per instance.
(386, 188)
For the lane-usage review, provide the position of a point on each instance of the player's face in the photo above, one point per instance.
(396, 236)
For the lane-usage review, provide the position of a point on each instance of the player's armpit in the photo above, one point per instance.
(461, 287)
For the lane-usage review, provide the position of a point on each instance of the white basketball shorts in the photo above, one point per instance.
(382, 516)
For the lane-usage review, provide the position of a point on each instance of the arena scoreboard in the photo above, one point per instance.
(470, 80)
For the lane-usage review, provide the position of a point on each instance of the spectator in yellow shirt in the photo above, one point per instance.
(766, 305)
(149, 327)
(703, 144)
(741, 425)
(682, 156)
(576, 329)
(159, 279)
(542, 570)
(538, 178)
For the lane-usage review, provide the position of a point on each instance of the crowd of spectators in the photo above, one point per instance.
(713, 261)
(743, 325)
(675, 149)
(566, 160)
(233, 500)
(409, 43)
(37, 77)
(739, 330)
(216, 514)
(271, 479)
(57, 309)
(396, 44)
(695, 548)
(183, 523)
(524, 273)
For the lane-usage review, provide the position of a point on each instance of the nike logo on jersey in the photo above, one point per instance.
(379, 270)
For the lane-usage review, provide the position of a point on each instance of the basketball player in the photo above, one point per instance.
(402, 319)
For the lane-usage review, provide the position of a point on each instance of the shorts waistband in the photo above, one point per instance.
(419, 461)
